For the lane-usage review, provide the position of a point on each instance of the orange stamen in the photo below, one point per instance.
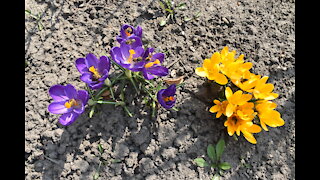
(132, 52)
(149, 64)
(71, 103)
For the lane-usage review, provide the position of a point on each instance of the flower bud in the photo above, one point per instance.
(107, 82)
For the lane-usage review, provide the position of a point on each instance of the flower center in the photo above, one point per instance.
(128, 31)
(169, 98)
(95, 72)
(130, 59)
(71, 103)
(149, 64)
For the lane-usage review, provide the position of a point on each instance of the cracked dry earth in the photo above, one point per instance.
(162, 147)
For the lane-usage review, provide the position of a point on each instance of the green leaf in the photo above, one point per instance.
(187, 19)
(169, 10)
(162, 5)
(211, 153)
(115, 160)
(162, 22)
(100, 148)
(220, 148)
(27, 11)
(216, 177)
(201, 162)
(96, 176)
(224, 166)
(197, 14)
(181, 5)
(92, 111)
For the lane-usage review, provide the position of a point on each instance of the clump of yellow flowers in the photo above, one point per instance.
(251, 99)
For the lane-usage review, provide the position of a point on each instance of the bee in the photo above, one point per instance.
(128, 31)
(130, 41)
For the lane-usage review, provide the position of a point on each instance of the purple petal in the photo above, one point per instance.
(86, 77)
(91, 60)
(158, 70)
(83, 96)
(57, 93)
(96, 85)
(116, 54)
(70, 91)
(68, 118)
(170, 91)
(159, 56)
(147, 75)
(103, 64)
(136, 43)
(147, 52)
(119, 39)
(81, 65)
(138, 31)
(58, 108)
(139, 51)
(125, 50)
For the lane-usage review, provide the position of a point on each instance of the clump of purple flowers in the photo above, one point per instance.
(138, 65)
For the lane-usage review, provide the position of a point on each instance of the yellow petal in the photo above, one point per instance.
(229, 110)
(218, 114)
(200, 71)
(228, 92)
(249, 137)
(254, 129)
(216, 101)
(220, 79)
(263, 125)
(215, 58)
(214, 109)
(271, 96)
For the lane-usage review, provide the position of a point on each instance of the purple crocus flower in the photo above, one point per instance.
(128, 57)
(93, 71)
(67, 101)
(166, 96)
(153, 65)
(127, 32)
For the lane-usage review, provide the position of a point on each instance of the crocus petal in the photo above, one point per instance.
(68, 118)
(214, 108)
(91, 60)
(71, 92)
(58, 108)
(220, 78)
(57, 93)
(87, 78)
(79, 110)
(200, 71)
(83, 96)
(159, 56)
(229, 110)
(138, 31)
(249, 137)
(81, 65)
(228, 93)
(103, 64)
(116, 54)
(147, 75)
(124, 48)
(158, 70)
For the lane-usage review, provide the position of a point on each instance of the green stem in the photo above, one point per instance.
(134, 85)
(127, 110)
(112, 94)
(111, 102)
(153, 109)
(113, 62)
